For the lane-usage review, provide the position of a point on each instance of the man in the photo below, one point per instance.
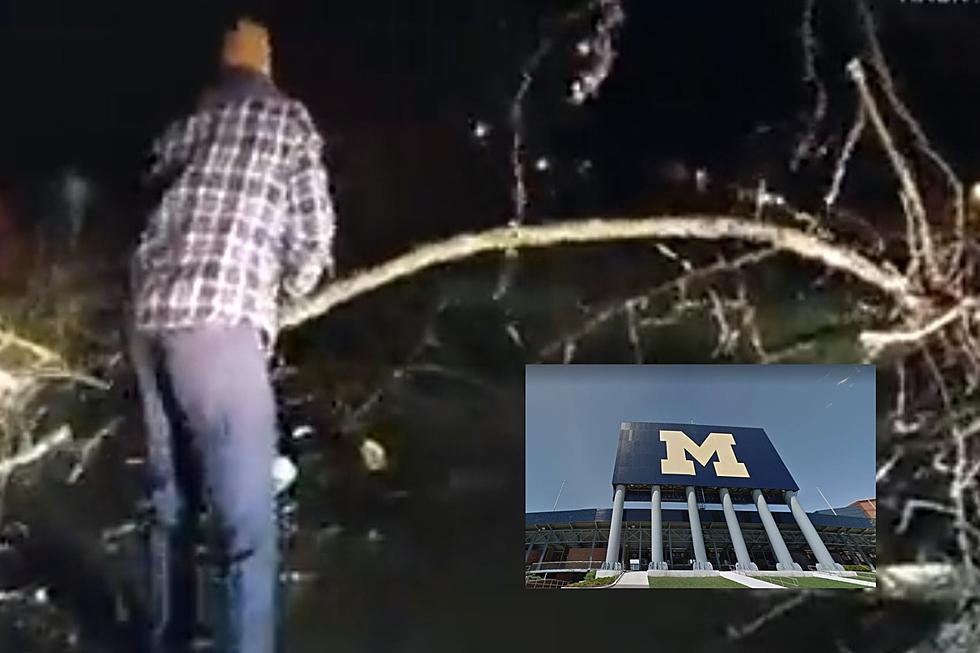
(242, 216)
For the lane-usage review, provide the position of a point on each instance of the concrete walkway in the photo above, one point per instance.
(844, 579)
(634, 579)
(749, 581)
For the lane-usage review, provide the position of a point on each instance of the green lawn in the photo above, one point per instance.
(692, 582)
(808, 582)
(868, 576)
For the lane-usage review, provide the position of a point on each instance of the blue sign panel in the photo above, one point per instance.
(699, 455)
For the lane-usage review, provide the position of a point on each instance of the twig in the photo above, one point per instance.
(613, 309)
(727, 336)
(739, 632)
(885, 470)
(42, 448)
(89, 448)
(80, 378)
(918, 135)
(749, 323)
(788, 352)
(853, 136)
(875, 341)
(517, 163)
(912, 505)
(10, 339)
(808, 39)
(633, 333)
(920, 237)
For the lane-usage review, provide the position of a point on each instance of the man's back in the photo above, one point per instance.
(243, 211)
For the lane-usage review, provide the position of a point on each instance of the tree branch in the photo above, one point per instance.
(693, 227)
(919, 234)
(40, 449)
(875, 341)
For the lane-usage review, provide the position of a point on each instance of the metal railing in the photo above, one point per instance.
(567, 565)
(545, 584)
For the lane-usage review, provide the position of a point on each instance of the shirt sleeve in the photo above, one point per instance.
(170, 150)
(309, 229)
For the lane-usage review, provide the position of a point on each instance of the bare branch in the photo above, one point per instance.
(633, 332)
(779, 609)
(885, 470)
(853, 136)
(517, 162)
(913, 505)
(875, 341)
(695, 227)
(793, 350)
(43, 355)
(40, 449)
(921, 140)
(90, 447)
(920, 236)
(727, 336)
(808, 39)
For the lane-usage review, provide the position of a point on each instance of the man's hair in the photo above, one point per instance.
(247, 45)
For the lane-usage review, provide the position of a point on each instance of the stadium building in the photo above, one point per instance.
(698, 465)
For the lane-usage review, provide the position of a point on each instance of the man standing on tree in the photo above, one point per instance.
(241, 217)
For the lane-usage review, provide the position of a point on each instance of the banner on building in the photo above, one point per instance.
(700, 455)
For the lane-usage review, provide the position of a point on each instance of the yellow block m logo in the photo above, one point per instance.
(716, 443)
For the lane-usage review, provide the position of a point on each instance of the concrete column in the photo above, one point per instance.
(639, 552)
(784, 562)
(743, 563)
(615, 529)
(544, 552)
(824, 561)
(656, 531)
(701, 558)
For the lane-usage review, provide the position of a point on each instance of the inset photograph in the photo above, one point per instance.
(700, 476)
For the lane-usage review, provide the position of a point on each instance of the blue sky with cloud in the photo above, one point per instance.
(820, 418)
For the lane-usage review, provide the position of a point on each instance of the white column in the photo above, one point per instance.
(615, 529)
(784, 560)
(741, 553)
(692, 512)
(824, 561)
(656, 531)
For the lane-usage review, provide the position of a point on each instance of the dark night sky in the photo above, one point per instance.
(395, 86)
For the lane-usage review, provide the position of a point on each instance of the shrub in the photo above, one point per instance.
(595, 582)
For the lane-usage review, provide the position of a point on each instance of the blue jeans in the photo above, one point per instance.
(211, 440)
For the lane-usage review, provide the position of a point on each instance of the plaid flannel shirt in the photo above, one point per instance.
(244, 216)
